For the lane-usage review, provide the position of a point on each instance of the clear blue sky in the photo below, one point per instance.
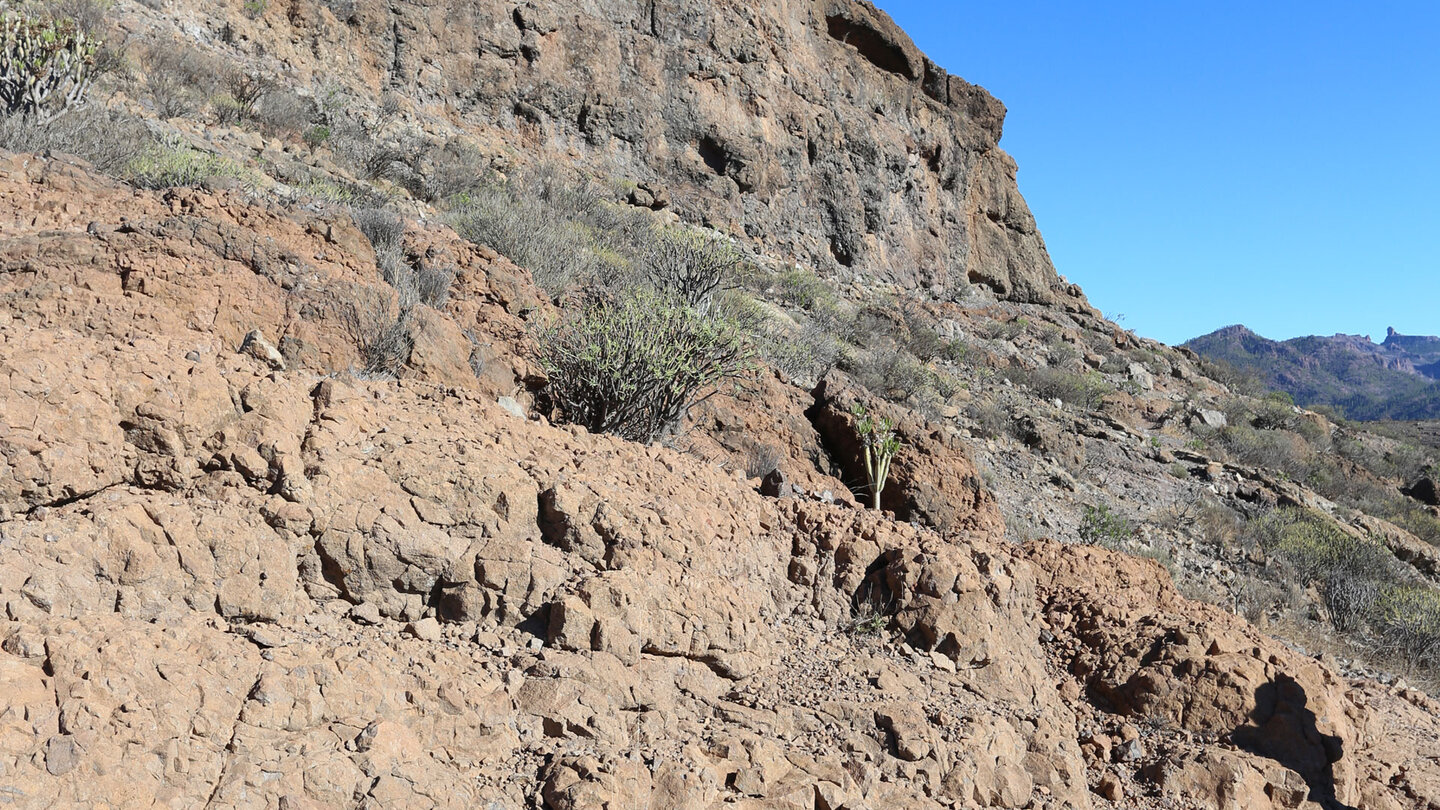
(1194, 165)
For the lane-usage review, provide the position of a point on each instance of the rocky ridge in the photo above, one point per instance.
(240, 573)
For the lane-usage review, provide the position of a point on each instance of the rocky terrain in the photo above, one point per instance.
(1393, 379)
(245, 565)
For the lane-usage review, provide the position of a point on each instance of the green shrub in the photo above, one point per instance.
(690, 265)
(802, 288)
(176, 165)
(1348, 571)
(634, 365)
(879, 443)
(1103, 526)
(1408, 620)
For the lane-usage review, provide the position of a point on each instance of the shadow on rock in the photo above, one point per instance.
(1285, 730)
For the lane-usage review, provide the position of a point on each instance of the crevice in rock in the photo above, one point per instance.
(69, 500)
(871, 45)
(230, 745)
(714, 154)
(708, 660)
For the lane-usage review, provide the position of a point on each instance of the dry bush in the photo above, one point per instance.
(762, 459)
(178, 79)
(1087, 390)
(108, 139)
(990, 420)
(889, 372)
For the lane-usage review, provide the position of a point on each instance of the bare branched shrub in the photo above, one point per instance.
(1087, 390)
(889, 372)
(991, 420)
(178, 79)
(381, 330)
(109, 139)
(281, 111)
(369, 157)
(525, 228)
(690, 266)
(456, 168)
(803, 353)
(386, 234)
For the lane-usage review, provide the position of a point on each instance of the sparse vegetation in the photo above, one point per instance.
(176, 164)
(1087, 390)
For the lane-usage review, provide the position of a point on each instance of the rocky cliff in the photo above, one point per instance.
(817, 129)
(239, 571)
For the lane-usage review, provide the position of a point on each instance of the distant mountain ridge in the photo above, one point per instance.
(1398, 378)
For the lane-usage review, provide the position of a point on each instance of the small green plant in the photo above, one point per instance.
(1102, 526)
(254, 9)
(46, 65)
(879, 444)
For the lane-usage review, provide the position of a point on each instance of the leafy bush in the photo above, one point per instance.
(46, 65)
(879, 443)
(1348, 571)
(1103, 526)
(802, 288)
(635, 364)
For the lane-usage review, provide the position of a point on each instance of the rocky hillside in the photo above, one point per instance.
(1393, 379)
(292, 514)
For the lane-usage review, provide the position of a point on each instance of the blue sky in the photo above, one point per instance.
(1194, 165)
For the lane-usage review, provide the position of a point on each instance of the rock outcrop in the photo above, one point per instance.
(816, 128)
(241, 581)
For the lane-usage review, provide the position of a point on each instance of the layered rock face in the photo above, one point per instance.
(816, 128)
(238, 577)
